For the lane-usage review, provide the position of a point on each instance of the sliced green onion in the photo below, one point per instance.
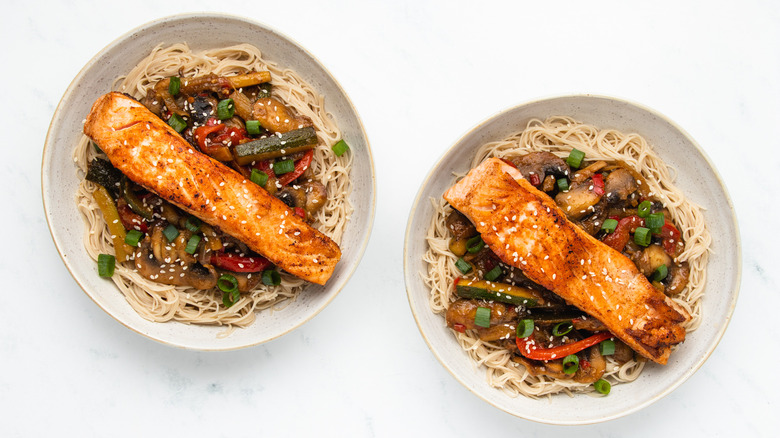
(284, 166)
(660, 273)
(575, 158)
(563, 185)
(482, 318)
(525, 328)
(644, 208)
(607, 347)
(463, 266)
(602, 386)
(225, 109)
(230, 298)
(174, 85)
(571, 363)
(192, 244)
(340, 147)
(252, 127)
(106, 264)
(177, 123)
(609, 225)
(655, 221)
(271, 278)
(642, 236)
(475, 244)
(494, 273)
(193, 224)
(562, 328)
(170, 232)
(133, 237)
(227, 283)
(259, 177)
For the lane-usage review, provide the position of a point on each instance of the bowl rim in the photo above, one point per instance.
(71, 89)
(718, 335)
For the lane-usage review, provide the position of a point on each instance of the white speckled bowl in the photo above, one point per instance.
(59, 179)
(697, 177)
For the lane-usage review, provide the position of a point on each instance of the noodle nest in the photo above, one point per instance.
(160, 302)
(559, 135)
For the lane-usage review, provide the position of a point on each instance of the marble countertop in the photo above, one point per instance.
(420, 73)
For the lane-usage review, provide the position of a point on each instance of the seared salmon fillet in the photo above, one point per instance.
(152, 154)
(525, 228)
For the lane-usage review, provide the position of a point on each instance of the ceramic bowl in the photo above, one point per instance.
(696, 176)
(59, 177)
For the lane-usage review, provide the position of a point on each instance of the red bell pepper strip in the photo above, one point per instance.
(130, 219)
(300, 167)
(670, 237)
(230, 137)
(534, 179)
(202, 132)
(598, 184)
(230, 261)
(300, 212)
(459, 328)
(619, 238)
(528, 348)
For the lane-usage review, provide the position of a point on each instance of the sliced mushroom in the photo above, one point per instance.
(619, 185)
(578, 201)
(651, 258)
(464, 311)
(316, 195)
(292, 197)
(176, 273)
(542, 164)
(591, 369)
(588, 172)
(202, 108)
(677, 279)
(247, 280)
(274, 116)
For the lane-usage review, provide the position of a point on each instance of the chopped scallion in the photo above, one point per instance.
(607, 347)
(193, 224)
(660, 273)
(177, 123)
(571, 363)
(644, 208)
(494, 273)
(192, 244)
(642, 236)
(106, 264)
(259, 177)
(463, 266)
(475, 244)
(340, 147)
(655, 221)
(225, 109)
(271, 278)
(227, 283)
(482, 317)
(252, 127)
(575, 158)
(284, 166)
(174, 85)
(609, 225)
(525, 328)
(170, 232)
(230, 298)
(602, 386)
(563, 184)
(133, 237)
(562, 328)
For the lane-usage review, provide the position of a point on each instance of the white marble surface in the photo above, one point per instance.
(420, 73)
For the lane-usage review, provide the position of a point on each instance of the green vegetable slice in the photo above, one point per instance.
(482, 317)
(106, 264)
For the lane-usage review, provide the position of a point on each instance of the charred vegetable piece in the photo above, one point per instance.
(115, 227)
(274, 146)
(102, 172)
(249, 79)
(490, 291)
(529, 349)
(133, 202)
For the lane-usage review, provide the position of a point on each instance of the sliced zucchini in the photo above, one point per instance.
(297, 140)
(491, 291)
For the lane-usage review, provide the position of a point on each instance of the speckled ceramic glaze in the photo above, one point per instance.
(60, 181)
(696, 176)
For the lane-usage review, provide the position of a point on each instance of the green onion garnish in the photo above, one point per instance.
(193, 224)
(463, 266)
(475, 244)
(174, 85)
(525, 328)
(284, 166)
(642, 236)
(271, 278)
(133, 237)
(602, 386)
(227, 283)
(562, 328)
(644, 208)
(106, 264)
(252, 127)
(609, 225)
(563, 185)
(177, 123)
(655, 221)
(225, 109)
(230, 298)
(170, 232)
(482, 318)
(259, 177)
(607, 347)
(660, 273)
(571, 363)
(575, 158)
(340, 147)
(192, 244)
(494, 273)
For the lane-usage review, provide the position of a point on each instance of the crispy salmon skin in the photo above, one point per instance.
(152, 154)
(525, 228)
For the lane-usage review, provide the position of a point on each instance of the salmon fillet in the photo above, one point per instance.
(526, 229)
(152, 154)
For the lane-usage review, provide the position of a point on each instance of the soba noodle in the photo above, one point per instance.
(559, 135)
(159, 302)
